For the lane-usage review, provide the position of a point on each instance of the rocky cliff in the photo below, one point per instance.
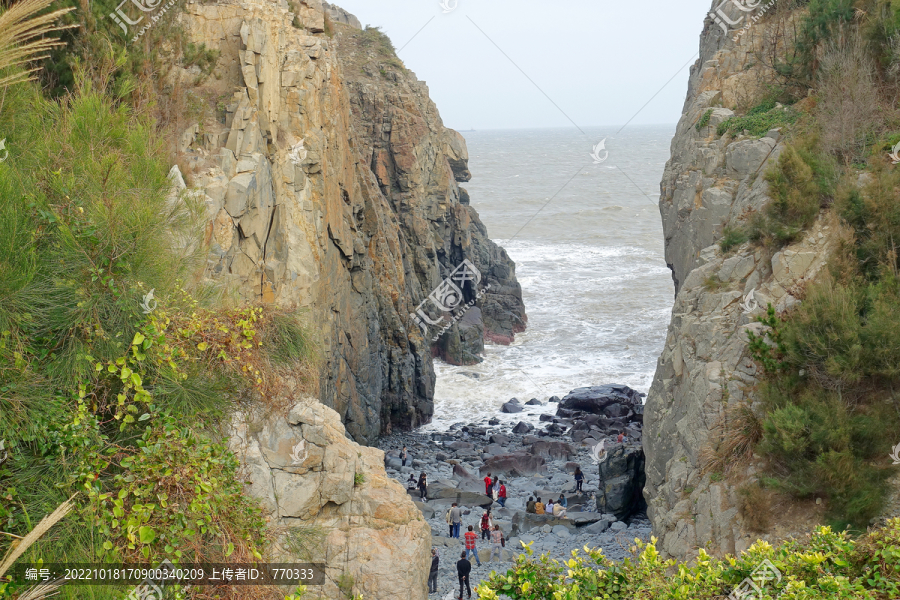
(712, 182)
(333, 503)
(331, 187)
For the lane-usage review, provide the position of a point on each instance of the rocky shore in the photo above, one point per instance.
(533, 461)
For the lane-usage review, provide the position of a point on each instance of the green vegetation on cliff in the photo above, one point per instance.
(118, 361)
(832, 364)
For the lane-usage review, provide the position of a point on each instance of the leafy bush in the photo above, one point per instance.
(823, 565)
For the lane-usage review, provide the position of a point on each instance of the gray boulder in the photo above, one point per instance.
(622, 481)
(523, 427)
(511, 407)
(516, 464)
(463, 498)
(594, 399)
(552, 450)
(598, 527)
(523, 522)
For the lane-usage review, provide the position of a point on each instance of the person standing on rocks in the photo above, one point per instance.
(471, 536)
(449, 519)
(463, 568)
(529, 506)
(433, 574)
(486, 524)
(403, 455)
(579, 480)
(501, 494)
(497, 543)
(456, 518)
(423, 486)
(539, 507)
(487, 485)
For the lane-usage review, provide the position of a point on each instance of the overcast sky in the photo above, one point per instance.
(590, 62)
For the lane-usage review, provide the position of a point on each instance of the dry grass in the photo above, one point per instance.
(739, 430)
(23, 37)
(755, 506)
(848, 109)
(18, 549)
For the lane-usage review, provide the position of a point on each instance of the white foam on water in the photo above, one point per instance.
(596, 287)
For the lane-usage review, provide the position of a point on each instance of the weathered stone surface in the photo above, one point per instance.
(621, 481)
(711, 182)
(552, 450)
(302, 468)
(341, 186)
(516, 464)
(461, 497)
(523, 522)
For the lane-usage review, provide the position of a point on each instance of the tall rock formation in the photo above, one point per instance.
(350, 516)
(332, 188)
(711, 182)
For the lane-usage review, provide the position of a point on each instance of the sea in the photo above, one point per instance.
(577, 211)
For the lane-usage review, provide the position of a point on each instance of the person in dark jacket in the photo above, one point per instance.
(579, 479)
(529, 506)
(432, 575)
(423, 486)
(463, 568)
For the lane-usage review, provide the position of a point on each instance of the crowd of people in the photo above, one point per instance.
(495, 489)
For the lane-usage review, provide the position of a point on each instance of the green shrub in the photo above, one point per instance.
(732, 237)
(704, 120)
(760, 123)
(825, 564)
(802, 181)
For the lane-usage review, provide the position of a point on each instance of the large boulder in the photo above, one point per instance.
(552, 450)
(597, 398)
(513, 406)
(583, 518)
(303, 470)
(622, 481)
(516, 464)
(461, 497)
(523, 522)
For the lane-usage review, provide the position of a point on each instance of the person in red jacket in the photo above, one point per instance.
(501, 494)
(487, 485)
(470, 544)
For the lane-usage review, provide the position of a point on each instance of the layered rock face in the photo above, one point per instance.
(709, 183)
(356, 521)
(334, 192)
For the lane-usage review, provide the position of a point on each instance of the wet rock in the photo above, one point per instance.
(594, 399)
(523, 427)
(534, 402)
(511, 407)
